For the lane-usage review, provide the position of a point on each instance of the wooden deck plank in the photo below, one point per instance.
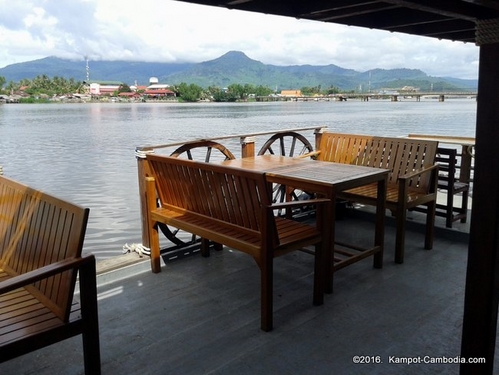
(206, 319)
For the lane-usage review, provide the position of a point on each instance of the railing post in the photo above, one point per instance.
(465, 172)
(143, 172)
(318, 136)
(247, 146)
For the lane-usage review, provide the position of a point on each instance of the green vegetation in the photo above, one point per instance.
(42, 86)
(235, 92)
(317, 90)
(235, 68)
(188, 93)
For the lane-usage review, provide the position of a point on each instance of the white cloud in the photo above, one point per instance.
(170, 31)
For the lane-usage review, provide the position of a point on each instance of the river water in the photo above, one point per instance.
(85, 152)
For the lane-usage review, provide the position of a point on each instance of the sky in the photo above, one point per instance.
(171, 31)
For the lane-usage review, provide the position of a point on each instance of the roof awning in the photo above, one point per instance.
(474, 21)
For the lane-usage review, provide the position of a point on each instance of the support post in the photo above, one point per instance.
(482, 276)
(318, 136)
(247, 146)
(143, 172)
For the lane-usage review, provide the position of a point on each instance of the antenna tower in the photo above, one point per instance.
(87, 69)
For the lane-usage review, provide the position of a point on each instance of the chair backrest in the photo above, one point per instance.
(37, 229)
(400, 155)
(447, 167)
(231, 195)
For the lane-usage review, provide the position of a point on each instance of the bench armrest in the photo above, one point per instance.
(311, 154)
(31, 277)
(418, 172)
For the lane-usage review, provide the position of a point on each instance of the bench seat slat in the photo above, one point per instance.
(34, 322)
(288, 231)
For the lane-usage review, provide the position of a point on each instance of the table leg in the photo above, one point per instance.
(330, 218)
(379, 235)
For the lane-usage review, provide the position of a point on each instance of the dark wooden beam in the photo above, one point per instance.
(393, 19)
(482, 277)
(450, 8)
(491, 4)
(443, 19)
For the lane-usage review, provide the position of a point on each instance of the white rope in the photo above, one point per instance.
(141, 154)
(137, 248)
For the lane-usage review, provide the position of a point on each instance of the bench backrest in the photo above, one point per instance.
(400, 155)
(36, 230)
(230, 195)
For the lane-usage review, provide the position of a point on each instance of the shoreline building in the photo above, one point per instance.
(102, 88)
(157, 90)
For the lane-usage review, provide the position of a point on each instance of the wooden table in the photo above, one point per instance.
(326, 179)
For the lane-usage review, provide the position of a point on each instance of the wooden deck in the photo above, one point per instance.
(200, 316)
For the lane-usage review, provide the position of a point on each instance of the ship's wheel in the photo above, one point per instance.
(200, 151)
(290, 144)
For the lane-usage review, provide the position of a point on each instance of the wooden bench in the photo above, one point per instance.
(41, 239)
(411, 183)
(232, 207)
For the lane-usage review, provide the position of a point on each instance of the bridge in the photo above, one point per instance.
(393, 96)
(417, 96)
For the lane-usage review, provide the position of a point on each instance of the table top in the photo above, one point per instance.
(318, 176)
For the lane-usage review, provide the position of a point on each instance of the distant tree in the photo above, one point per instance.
(332, 90)
(43, 85)
(237, 91)
(11, 86)
(310, 91)
(2, 82)
(124, 88)
(262, 91)
(189, 93)
(225, 96)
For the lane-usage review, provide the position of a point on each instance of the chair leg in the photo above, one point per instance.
(319, 274)
(89, 312)
(91, 349)
(430, 225)
(155, 250)
(464, 206)
(205, 247)
(449, 210)
(153, 227)
(400, 235)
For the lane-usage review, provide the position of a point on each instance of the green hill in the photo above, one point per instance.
(235, 67)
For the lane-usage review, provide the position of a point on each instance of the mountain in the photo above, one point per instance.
(124, 71)
(235, 67)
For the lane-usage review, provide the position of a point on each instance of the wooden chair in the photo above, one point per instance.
(41, 239)
(448, 180)
(411, 183)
